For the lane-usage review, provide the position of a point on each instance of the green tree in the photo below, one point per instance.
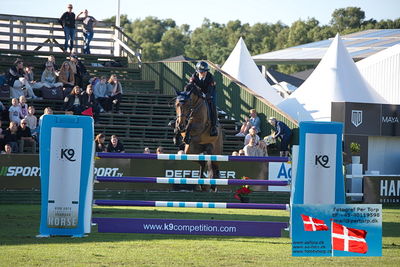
(124, 21)
(347, 18)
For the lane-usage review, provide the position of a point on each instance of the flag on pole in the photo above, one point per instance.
(348, 239)
(313, 224)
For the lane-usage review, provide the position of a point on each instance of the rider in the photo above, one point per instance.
(205, 80)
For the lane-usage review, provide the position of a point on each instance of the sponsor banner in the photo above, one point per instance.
(382, 189)
(279, 171)
(337, 230)
(190, 227)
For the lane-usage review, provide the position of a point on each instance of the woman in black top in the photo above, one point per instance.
(99, 141)
(67, 21)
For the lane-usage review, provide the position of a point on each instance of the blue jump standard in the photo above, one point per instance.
(162, 180)
(191, 157)
(190, 227)
(179, 204)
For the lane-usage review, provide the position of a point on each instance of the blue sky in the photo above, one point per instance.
(221, 11)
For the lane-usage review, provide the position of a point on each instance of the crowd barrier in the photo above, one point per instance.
(193, 227)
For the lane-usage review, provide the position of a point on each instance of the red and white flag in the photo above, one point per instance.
(348, 239)
(313, 224)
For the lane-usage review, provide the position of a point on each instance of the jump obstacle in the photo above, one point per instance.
(193, 227)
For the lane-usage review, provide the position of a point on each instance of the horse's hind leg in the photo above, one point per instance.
(203, 165)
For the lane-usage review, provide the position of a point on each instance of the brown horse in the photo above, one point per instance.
(193, 124)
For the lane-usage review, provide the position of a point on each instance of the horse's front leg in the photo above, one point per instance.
(188, 137)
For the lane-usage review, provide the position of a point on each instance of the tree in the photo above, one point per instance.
(124, 21)
(347, 18)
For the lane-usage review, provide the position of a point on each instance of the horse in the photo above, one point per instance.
(193, 125)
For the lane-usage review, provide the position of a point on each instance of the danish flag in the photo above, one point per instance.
(312, 224)
(348, 239)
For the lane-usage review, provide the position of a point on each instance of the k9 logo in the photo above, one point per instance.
(68, 153)
(322, 160)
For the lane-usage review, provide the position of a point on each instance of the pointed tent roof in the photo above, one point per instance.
(241, 66)
(336, 79)
(382, 72)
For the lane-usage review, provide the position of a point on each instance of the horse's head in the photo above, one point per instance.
(185, 104)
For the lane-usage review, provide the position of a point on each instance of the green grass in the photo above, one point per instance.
(19, 247)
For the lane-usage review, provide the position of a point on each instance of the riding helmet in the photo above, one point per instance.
(202, 66)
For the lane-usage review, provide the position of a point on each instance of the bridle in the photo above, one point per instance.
(182, 98)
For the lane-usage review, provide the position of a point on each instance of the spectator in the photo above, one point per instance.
(160, 150)
(78, 69)
(88, 24)
(100, 93)
(115, 92)
(74, 101)
(25, 137)
(2, 142)
(67, 22)
(7, 149)
(241, 152)
(252, 134)
(49, 76)
(235, 153)
(253, 121)
(67, 77)
(251, 149)
(263, 149)
(181, 152)
(14, 111)
(32, 120)
(3, 110)
(51, 60)
(11, 136)
(46, 111)
(284, 133)
(146, 150)
(89, 101)
(23, 107)
(100, 143)
(115, 145)
(30, 77)
(17, 79)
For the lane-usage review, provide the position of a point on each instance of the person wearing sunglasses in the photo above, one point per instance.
(67, 22)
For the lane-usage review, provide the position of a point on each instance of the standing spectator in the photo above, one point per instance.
(11, 136)
(115, 145)
(17, 79)
(88, 24)
(74, 101)
(252, 134)
(284, 133)
(49, 77)
(32, 120)
(254, 120)
(100, 143)
(14, 111)
(115, 92)
(67, 77)
(100, 93)
(25, 137)
(23, 107)
(7, 149)
(89, 101)
(67, 21)
(79, 70)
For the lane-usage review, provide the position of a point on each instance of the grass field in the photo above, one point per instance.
(19, 247)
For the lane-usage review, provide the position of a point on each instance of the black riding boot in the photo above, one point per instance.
(213, 119)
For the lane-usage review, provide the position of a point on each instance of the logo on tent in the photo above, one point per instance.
(356, 117)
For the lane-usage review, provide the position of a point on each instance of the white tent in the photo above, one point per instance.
(336, 79)
(241, 66)
(382, 72)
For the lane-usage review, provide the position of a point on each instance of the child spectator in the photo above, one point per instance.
(100, 143)
(32, 120)
(30, 77)
(7, 149)
(25, 137)
(115, 92)
(67, 77)
(23, 107)
(100, 93)
(253, 121)
(11, 137)
(14, 111)
(49, 76)
(252, 134)
(51, 60)
(74, 101)
(115, 145)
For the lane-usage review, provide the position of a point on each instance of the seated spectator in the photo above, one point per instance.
(25, 137)
(241, 152)
(89, 101)
(115, 92)
(66, 77)
(30, 77)
(235, 153)
(263, 149)
(146, 150)
(17, 80)
(11, 136)
(74, 101)
(101, 94)
(46, 111)
(51, 60)
(115, 145)
(23, 107)
(100, 143)
(252, 134)
(160, 150)
(14, 111)
(7, 149)
(32, 120)
(253, 121)
(78, 69)
(251, 149)
(49, 77)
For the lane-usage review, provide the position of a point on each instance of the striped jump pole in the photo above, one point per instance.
(191, 157)
(178, 204)
(164, 180)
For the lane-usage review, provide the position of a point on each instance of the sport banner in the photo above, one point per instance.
(382, 189)
(337, 230)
